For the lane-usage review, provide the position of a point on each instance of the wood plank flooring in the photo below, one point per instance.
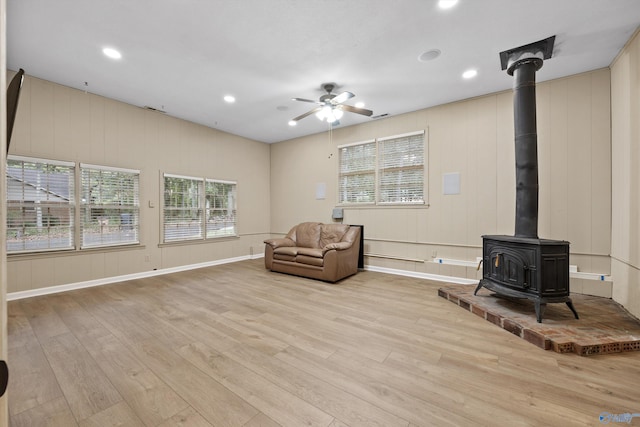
(236, 345)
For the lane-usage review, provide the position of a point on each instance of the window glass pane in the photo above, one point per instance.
(182, 210)
(109, 207)
(356, 180)
(401, 169)
(220, 209)
(40, 205)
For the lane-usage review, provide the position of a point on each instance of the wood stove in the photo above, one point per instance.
(525, 266)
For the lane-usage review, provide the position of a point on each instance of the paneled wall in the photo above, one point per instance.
(625, 239)
(474, 138)
(56, 122)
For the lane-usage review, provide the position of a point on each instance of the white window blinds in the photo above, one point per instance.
(357, 176)
(198, 208)
(401, 169)
(40, 204)
(220, 208)
(183, 208)
(110, 207)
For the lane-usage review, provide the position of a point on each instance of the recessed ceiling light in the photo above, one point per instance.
(447, 4)
(230, 99)
(292, 123)
(469, 74)
(359, 104)
(111, 53)
(429, 55)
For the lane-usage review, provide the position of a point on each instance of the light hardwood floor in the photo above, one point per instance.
(235, 345)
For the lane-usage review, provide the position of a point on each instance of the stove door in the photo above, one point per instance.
(510, 267)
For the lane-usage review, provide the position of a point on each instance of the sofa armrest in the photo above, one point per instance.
(340, 246)
(277, 243)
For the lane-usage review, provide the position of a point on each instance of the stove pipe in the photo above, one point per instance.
(522, 63)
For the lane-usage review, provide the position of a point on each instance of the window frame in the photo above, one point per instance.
(202, 210)
(377, 202)
(356, 173)
(399, 168)
(132, 225)
(70, 206)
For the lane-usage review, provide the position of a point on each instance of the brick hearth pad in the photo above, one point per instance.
(604, 326)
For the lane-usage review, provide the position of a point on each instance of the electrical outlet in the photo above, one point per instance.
(434, 254)
(147, 258)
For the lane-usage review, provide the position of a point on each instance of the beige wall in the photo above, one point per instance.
(475, 138)
(625, 239)
(277, 183)
(4, 411)
(56, 122)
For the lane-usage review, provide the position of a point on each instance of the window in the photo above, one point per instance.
(220, 208)
(188, 201)
(40, 204)
(401, 169)
(384, 171)
(182, 209)
(357, 176)
(110, 207)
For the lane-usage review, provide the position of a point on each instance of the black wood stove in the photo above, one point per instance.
(525, 266)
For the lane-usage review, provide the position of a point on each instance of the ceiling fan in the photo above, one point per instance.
(330, 106)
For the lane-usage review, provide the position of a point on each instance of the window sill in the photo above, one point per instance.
(199, 241)
(385, 206)
(74, 252)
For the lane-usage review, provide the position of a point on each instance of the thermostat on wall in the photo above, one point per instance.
(338, 213)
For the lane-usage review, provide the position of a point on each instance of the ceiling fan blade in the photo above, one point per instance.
(341, 97)
(306, 100)
(308, 113)
(356, 110)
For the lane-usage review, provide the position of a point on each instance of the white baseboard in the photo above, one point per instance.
(419, 275)
(108, 280)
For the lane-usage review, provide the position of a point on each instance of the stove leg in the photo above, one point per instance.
(570, 305)
(540, 307)
(478, 287)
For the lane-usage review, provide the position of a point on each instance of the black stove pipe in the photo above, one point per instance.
(526, 143)
(522, 63)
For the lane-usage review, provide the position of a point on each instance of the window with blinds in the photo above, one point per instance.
(220, 208)
(357, 176)
(401, 169)
(183, 208)
(388, 170)
(40, 204)
(110, 207)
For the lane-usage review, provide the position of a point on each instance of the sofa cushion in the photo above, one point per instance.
(310, 260)
(308, 234)
(332, 233)
(286, 250)
(312, 252)
(284, 257)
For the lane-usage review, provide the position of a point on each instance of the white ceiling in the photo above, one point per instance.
(183, 56)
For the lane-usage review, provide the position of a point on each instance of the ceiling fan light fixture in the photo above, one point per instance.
(292, 123)
(325, 113)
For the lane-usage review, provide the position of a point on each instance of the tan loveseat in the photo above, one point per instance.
(326, 252)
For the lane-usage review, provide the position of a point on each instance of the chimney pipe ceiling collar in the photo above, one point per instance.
(536, 52)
